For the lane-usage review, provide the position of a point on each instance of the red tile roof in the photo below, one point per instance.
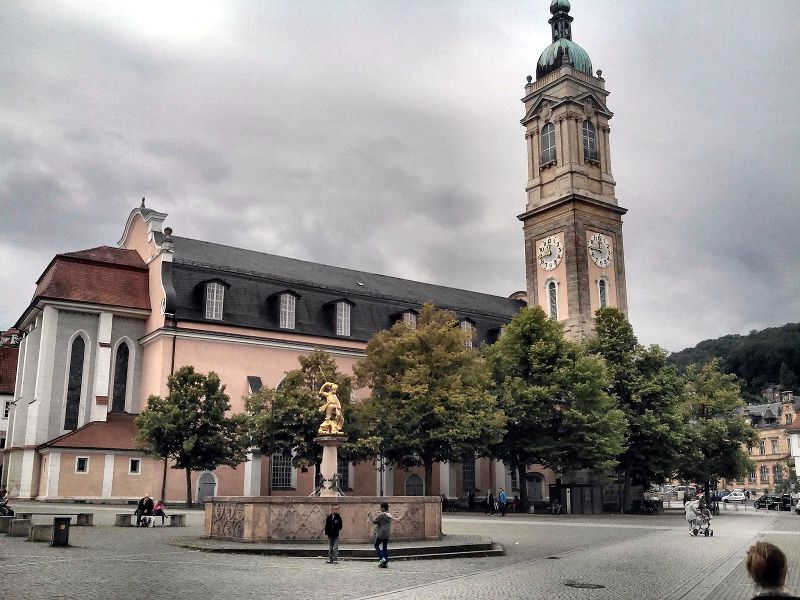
(117, 433)
(8, 369)
(104, 275)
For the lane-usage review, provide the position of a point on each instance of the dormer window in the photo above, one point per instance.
(469, 328)
(342, 318)
(287, 311)
(590, 141)
(410, 319)
(215, 294)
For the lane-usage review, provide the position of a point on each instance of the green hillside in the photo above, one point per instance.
(761, 358)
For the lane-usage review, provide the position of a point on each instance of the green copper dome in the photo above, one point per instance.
(563, 50)
(552, 57)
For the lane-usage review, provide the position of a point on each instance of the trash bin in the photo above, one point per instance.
(61, 531)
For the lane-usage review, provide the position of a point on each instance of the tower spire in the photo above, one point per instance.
(560, 21)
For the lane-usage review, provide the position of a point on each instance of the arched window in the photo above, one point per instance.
(74, 383)
(548, 144)
(602, 290)
(120, 388)
(589, 141)
(552, 300)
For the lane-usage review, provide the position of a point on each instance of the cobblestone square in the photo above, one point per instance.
(569, 556)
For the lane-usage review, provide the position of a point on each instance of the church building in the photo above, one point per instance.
(107, 326)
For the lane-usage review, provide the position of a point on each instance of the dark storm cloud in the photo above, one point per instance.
(386, 137)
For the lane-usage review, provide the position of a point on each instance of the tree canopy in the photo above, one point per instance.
(190, 425)
(650, 393)
(554, 396)
(717, 430)
(430, 397)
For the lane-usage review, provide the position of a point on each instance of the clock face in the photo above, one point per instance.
(550, 252)
(600, 250)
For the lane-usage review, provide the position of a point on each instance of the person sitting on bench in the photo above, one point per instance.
(158, 511)
(144, 511)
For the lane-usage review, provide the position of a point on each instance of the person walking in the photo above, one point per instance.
(471, 499)
(382, 521)
(766, 565)
(333, 525)
(489, 502)
(502, 499)
(691, 516)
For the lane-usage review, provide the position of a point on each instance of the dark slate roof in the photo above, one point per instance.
(765, 411)
(255, 278)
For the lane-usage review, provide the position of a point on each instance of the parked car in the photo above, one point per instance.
(774, 502)
(735, 497)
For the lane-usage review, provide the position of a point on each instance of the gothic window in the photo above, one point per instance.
(602, 289)
(120, 387)
(342, 318)
(287, 311)
(552, 300)
(548, 144)
(468, 328)
(281, 471)
(468, 473)
(74, 383)
(215, 293)
(589, 141)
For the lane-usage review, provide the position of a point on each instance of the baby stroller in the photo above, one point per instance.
(703, 523)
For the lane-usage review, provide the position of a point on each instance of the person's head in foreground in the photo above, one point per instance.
(384, 507)
(766, 565)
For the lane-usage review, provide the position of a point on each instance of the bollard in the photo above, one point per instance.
(61, 531)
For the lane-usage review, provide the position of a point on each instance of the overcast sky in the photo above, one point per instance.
(384, 136)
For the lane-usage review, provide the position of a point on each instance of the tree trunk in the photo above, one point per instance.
(164, 482)
(522, 484)
(626, 490)
(188, 487)
(428, 477)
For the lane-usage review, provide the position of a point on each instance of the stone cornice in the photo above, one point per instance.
(571, 198)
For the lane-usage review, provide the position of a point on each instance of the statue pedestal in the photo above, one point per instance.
(330, 464)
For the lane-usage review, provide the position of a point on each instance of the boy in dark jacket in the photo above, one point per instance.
(333, 525)
(382, 521)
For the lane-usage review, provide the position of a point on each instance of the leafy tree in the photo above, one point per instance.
(430, 400)
(717, 429)
(190, 427)
(650, 393)
(286, 420)
(553, 393)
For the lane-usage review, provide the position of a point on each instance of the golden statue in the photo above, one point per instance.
(334, 419)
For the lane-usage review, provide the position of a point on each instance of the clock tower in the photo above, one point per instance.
(572, 223)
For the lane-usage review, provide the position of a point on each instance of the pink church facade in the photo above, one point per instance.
(107, 326)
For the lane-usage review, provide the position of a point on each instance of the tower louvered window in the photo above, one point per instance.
(590, 141)
(548, 144)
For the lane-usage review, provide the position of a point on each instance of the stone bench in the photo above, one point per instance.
(81, 519)
(19, 527)
(5, 523)
(129, 520)
(41, 533)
